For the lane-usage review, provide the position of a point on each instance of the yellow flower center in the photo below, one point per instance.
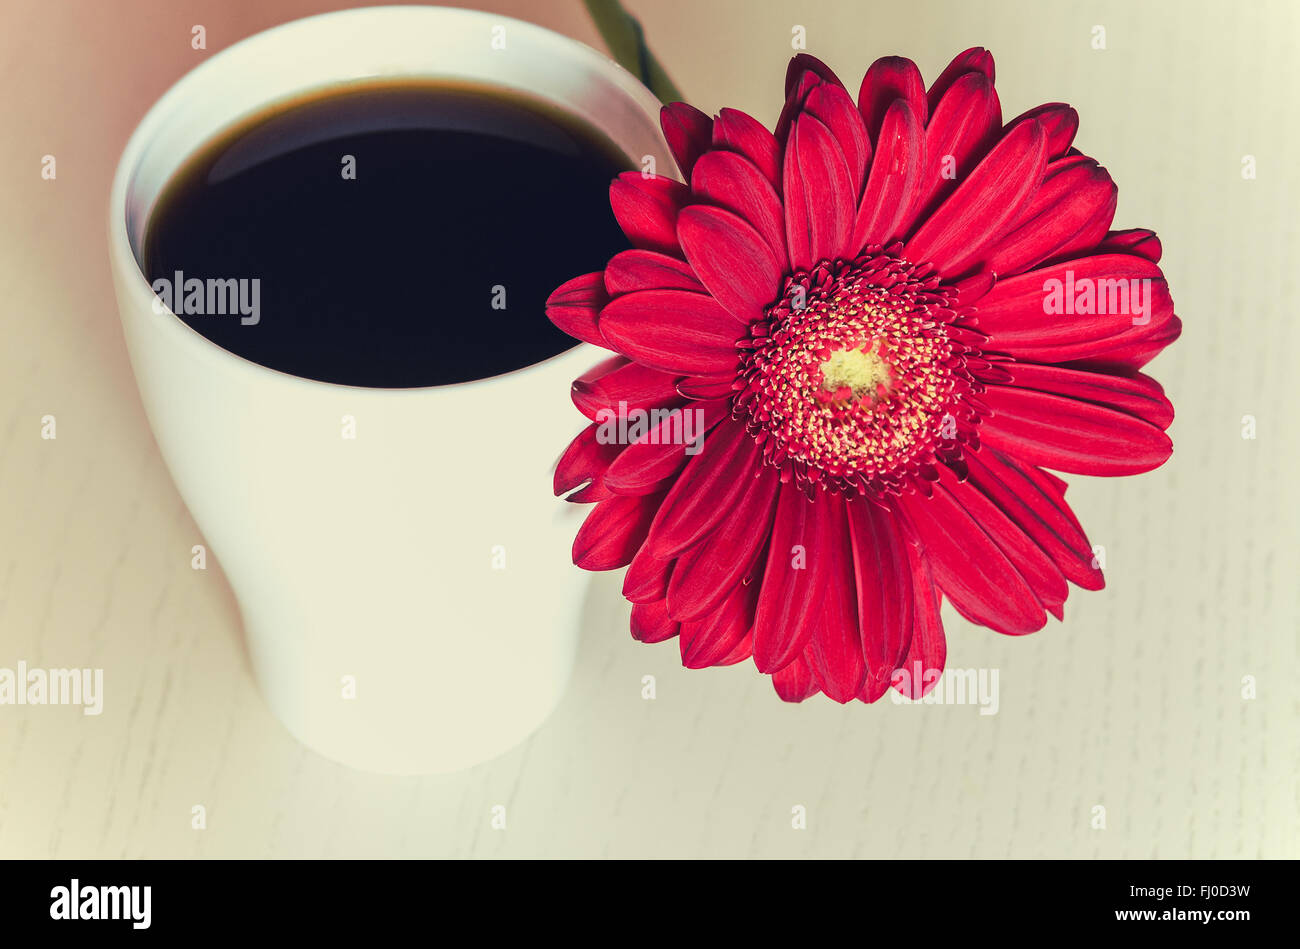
(862, 371)
(852, 381)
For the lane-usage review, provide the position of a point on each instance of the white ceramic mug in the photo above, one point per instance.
(372, 566)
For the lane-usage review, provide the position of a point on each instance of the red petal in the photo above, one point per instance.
(688, 132)
(888, 80)
(970, 567)
(1033, 564)
(1069, 214)
(627, 382)
(1068, 435)
(706, 573)
(741, 133)
(651, 623)
(1040, 510)
(928, 650)
(585, 462)
(1014, 314)
(732, 181)
(648, 270)
(893, 183)
(662, 450)
(733, 260)
(646, 207)
(705, 389)
(804, 75)
(710, 485)
(644, 469)
(742, 651)
(836, 643)
(673, 331)
(647, 577)
(602, 368)
(1139, 395)
(976, 216)
(789, 602)
(819, 195)
(1059, 121)
(873, 688)
(974, 60)
(712, 640)
(574, 306)
(1137, 240)
(974, 287)
(1060, 485)
(802, 63)
(884, 588)
(794, 682)
(1132, 355)
(613, 532)
(966, 121)
(835, 109)
(794, 101)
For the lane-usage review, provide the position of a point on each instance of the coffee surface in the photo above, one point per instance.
(389, 235)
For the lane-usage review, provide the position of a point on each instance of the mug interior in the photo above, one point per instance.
(317, 55)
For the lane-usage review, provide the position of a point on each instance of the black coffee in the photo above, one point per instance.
(387, 235)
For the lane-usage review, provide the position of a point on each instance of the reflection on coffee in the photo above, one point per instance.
(386, 234)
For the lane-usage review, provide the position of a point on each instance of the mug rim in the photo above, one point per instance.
(126, 265)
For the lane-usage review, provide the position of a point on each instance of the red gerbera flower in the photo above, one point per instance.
(891, 316)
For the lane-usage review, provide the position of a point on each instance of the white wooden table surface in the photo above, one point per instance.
(1135, 703)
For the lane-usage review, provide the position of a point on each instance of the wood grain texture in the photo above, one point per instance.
(1135, 703)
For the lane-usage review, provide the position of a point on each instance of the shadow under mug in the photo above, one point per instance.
(381, 627)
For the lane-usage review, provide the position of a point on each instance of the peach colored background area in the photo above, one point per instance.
(1135, 704)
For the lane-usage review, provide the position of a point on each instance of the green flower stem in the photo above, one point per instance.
(626, 41)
